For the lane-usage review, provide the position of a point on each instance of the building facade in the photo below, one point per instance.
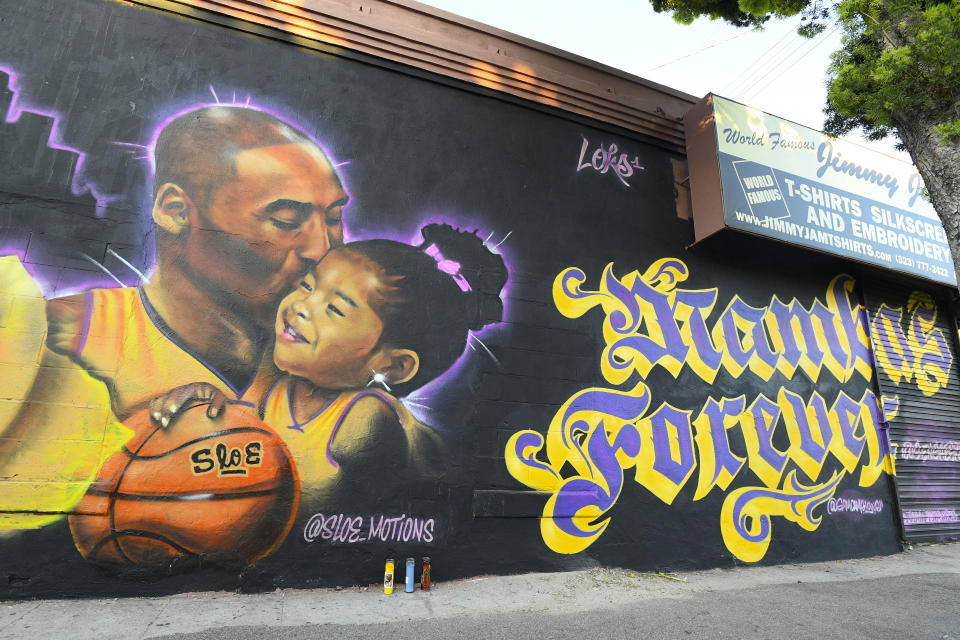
(446, 285)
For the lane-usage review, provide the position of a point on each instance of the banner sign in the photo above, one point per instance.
(785, 181)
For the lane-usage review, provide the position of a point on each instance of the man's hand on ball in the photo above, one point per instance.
(164, 409)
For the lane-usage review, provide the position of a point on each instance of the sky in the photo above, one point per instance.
(773, 70)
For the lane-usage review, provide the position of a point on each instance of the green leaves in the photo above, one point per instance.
(949, 131)
(686, 11)
(741, 13)
(897, 57)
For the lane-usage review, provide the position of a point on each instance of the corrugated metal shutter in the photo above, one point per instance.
(926, 428)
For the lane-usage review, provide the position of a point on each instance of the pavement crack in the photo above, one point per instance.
(162, 609)
(8, 624)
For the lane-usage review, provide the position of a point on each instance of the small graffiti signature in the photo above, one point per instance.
(350, 529)
(945, 451)
(609, 159)
(855, 505)
(930, 516)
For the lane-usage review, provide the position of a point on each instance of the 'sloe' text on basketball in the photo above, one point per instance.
(228, 461)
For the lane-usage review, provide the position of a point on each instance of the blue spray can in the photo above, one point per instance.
(408, 587)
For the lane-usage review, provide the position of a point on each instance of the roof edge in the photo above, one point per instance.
(425, 38)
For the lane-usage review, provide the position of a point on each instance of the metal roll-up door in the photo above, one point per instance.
(915, 352)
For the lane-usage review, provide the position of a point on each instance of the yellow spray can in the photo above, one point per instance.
(388, 577)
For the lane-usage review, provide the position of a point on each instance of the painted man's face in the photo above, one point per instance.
(276, 218)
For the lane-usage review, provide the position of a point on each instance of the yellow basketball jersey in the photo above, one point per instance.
(56, 424)
(124, 343)
(309, 441)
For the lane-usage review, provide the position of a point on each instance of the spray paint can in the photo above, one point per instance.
(408, 585)
(425, 575)
(388, 577)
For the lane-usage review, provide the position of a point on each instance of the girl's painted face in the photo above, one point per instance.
(327, 332)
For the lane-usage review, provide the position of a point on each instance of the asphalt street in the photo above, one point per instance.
(918, 606)
(914, 594)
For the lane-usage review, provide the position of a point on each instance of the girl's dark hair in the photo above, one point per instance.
(423, 308)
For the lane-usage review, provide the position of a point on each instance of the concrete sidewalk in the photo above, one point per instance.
(565, 593)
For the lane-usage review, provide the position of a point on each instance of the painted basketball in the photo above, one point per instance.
(220, 491)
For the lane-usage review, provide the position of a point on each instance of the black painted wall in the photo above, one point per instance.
(410, 149)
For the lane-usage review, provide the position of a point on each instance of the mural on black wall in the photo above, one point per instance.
(269, 316)
(252, 382)
(650, 321)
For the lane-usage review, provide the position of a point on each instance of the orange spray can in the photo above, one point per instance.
(425, 575)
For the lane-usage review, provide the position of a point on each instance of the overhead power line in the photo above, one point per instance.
(698, 51)
(764, 60)
(775, 63)
(780, 72)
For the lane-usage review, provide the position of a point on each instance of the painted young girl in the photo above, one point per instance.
(375, 320)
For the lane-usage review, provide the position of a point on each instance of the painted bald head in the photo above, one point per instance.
(198, 149)
(248, 201)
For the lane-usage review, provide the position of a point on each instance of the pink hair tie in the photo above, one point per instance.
(449, 267)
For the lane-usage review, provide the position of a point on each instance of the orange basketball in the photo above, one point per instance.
(222, 490)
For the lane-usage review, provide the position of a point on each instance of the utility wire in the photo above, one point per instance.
(698, 51)
(776, 73)
(774, 65)
(762, 60)
(826, 36)
(759, 74)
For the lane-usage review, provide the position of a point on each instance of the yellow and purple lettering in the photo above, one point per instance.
(650, 322)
